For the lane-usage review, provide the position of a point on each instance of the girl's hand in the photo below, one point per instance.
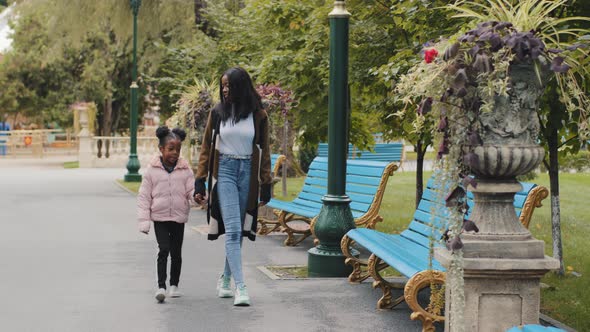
(200, 199)
(262, 203)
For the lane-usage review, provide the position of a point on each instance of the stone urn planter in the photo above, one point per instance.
(503, 263)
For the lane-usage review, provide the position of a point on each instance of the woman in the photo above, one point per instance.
(235, 157)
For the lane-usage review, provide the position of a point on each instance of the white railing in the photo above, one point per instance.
(113, 151)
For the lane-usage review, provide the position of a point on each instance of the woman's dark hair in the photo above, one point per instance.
(243, 95)
(165, 134)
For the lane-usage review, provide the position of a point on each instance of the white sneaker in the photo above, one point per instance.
(174, 292)
(242, 298)
(161, 295)
(223, 287)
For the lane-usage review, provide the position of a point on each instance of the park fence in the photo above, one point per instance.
(37, 143)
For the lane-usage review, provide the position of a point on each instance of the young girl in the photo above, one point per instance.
(235, 157)
(163, 199)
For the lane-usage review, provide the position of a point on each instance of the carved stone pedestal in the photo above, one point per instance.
(499, 292)
(503, 264)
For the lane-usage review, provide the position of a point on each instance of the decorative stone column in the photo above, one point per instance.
(84, 138)
(503, 263)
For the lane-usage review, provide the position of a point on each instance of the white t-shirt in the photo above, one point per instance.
(237, 138)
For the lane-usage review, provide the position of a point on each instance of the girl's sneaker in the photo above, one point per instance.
(161, 295)
(223, 287)
(174, 292)
(242, 298)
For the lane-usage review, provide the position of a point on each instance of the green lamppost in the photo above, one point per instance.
(335, 218)
(133, 163)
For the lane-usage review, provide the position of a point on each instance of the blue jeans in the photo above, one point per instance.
(233, 185)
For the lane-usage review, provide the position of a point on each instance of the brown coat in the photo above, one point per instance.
(260, 177)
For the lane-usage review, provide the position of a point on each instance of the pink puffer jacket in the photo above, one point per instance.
(165, 196)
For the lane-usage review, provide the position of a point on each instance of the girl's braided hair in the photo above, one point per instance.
(164, 134)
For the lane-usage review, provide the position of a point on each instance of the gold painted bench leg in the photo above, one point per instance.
(375, 264)
(434, 312)
(292, 240)
(360, 270)
(264, 226)
(275, 225)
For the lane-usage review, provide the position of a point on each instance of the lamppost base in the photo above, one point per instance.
(326, 263)
(334, 220)
(132, 169)
(132, 178)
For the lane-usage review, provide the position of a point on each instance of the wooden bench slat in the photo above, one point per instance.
(288, 206)
(355, 206)
(425, 230)
(363, 180)
(308, 203)
(356, 197)
(390, 152)
(350, 179)
(352, 188)
(427, 219)
(408, 259)
(361, 198)
(415, 237)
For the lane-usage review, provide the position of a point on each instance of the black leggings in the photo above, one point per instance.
(169, 235)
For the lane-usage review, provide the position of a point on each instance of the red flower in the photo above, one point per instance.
(430, 54)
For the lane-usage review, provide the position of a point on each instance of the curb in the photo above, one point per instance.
(124, 188)
(272, 276)
(546, 320)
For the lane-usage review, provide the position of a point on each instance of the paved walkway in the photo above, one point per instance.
(73, 260)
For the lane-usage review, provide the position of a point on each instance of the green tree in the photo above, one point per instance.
(414, 23)
(560, 129)
(99, 32)
(40, 91)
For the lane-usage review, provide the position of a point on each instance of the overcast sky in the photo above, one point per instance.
(5, 30)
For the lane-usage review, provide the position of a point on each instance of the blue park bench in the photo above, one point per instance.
(409, 251)
(365, 185)
(534, 328)
(389, 152)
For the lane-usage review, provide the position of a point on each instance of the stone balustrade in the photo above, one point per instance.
(113, 151)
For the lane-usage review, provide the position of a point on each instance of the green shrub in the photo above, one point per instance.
(306, 156)
(578, 162)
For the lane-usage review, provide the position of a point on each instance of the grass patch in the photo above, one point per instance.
(566, 298)
(430, 155)
(131, 186)
(71, 164)
(289, 272)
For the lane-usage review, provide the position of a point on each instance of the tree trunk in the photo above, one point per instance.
(553, 144)
(116, 115)
(201, 22)
(107, 115)
(278, 132)
(421, 152)
(284, 149)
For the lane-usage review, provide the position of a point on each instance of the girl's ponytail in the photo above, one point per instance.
(180, 133)
(164, 134)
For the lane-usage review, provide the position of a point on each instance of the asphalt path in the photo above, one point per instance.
(71, 259)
